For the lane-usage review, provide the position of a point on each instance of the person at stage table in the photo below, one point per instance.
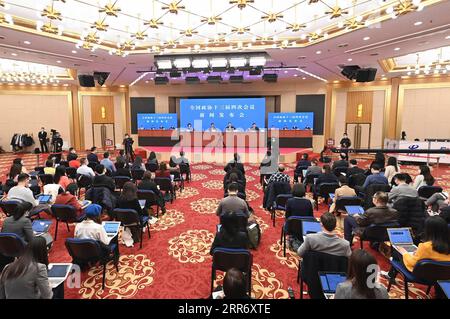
(285, 127)
(230, 127)
(345, 141)
(128, 145)
(189, 128)
(42, 135)
(295, 127)
(212, 128)
(254, 128)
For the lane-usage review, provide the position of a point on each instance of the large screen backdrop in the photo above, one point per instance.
(291, 121)
(240, 112)
(155, 121)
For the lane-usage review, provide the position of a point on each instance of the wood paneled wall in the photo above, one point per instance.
(102, 109)
(359, 107)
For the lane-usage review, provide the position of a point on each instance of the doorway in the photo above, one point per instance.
(359, 133)
(103, 134)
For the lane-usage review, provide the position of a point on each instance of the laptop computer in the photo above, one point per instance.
(331, 196)
(329, 282)
(445, 286)
(401, 237)
(142, 203)
(111, 228)
(58, 273)
(304, 172)
(310, 227)
(41, 226)
(44, 199)
(354, 210)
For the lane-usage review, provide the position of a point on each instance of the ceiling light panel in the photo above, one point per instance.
(182, 63)
(238, 62)
(180, 25)
(200, 63)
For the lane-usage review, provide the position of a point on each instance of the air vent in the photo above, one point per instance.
(131, 63)
(76, 64)
(373, 54)
(343, 45)
(2, 37)
(302, 57)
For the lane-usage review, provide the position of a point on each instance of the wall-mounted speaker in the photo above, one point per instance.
(349, 71)
(270, 77)
(161, 80)
(86, 81)
(192, 80)
(366, 75)
(236, 79)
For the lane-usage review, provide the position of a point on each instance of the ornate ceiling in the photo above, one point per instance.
(125, 27)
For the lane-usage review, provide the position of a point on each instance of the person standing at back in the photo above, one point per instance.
(42, 135)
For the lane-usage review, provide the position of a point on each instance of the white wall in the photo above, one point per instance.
(27, 113)
(426, 113)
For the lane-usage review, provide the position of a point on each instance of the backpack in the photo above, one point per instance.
(254, 235)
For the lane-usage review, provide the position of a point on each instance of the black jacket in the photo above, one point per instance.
(151, 186)
(42, 135)
(239, 166)
(299, 207)
(122, 172)
(412, 214)
(272, 191)
(104, 181)
(340, 163)
(224, 240)
(130, 204)
(92, 158)
(354, 170)
(103, 197)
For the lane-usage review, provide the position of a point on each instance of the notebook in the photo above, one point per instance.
(310, 227)
(44, 199)
(445, 286)
(111, 228)
(354, 210)
(401, 237)
(329, 282)
(41, 226)
(58, 273)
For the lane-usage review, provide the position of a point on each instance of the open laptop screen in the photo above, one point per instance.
(353, 209)
(400, 236)
(445, 285)
(330, 281)
(111, 227)
(309, 227)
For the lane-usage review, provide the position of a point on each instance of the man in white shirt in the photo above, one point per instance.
(84, 169)
(23, 193)
(91, 227)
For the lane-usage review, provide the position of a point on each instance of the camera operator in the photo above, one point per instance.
(57, 141)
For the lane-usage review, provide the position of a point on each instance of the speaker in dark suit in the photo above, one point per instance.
(42, 135)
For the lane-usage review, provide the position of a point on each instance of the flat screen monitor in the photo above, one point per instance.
(291, 121)
(157, 121)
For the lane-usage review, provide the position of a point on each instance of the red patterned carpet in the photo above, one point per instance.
(175, 262)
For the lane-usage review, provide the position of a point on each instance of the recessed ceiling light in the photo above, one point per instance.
(74, 52)
(295, 75)
(318, 52)
(26, 42)
(285, 71)
(366, 38)
(58, 61)
(447, 37)
(349, 59)
(396, 49)
(418, 23)
(303, 78)
(14, 54)
(146, 82)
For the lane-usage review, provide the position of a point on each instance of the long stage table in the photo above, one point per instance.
(253, 139)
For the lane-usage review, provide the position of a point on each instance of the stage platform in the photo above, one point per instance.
(222, 155)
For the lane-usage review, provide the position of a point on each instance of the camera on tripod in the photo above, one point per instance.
(57, 141)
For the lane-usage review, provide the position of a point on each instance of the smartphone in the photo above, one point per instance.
(291, 293)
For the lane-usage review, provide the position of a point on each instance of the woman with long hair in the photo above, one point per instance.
(424, 178)
(391, 169)
(435, 243)
(162, 171)
(26, 277)
(138, 164)
(360, 283)
(61, 178)
(152, 158)
(129, 200)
